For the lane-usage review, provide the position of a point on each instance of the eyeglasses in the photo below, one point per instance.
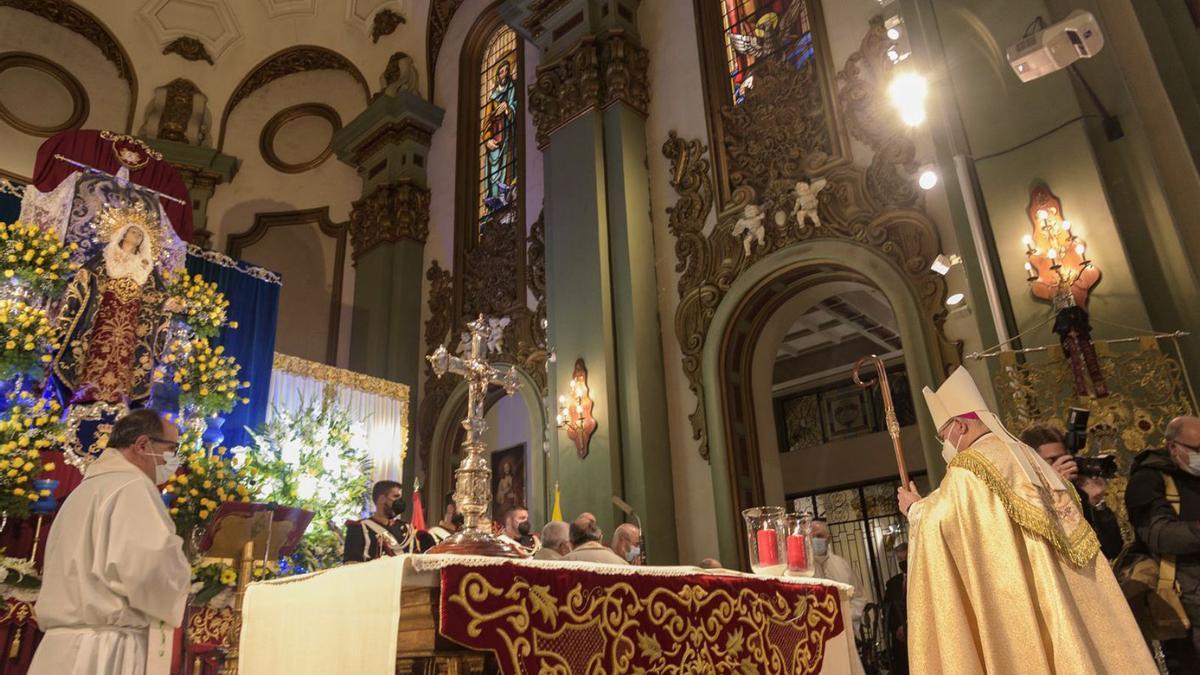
(174, 444)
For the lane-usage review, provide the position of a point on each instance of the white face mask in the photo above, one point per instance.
(164, 471)
(1193, 466)
(633, 553)
(949, 450)
(820, 546)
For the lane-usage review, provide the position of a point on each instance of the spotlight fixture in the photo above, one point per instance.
(943, 263)
(927, 177)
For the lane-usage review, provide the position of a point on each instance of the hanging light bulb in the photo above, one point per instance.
(1066, 225)
(1042, 215)
(1080, 248)
(1052, 253)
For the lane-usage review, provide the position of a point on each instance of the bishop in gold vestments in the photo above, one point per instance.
(1004, 575)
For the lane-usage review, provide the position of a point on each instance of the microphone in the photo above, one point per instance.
(629, 511)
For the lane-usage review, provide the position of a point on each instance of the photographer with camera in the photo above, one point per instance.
(1163, 499)
(1089, 475)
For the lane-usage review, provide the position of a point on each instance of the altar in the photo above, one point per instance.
(448, 613)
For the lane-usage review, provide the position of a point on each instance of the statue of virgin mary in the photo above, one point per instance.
(113, 315)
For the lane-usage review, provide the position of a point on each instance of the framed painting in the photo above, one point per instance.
(508, 480)
(846, 412)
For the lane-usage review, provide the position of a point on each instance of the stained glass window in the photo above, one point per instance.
(762, 29)
(499, 140)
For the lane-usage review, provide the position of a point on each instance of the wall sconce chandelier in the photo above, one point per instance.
(575, 410)
(1059, 271)
(1057, 266)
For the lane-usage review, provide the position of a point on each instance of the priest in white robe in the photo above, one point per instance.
(1004, 575)
(115, 579)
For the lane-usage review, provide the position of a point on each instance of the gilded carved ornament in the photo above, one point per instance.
(188, 48)
(524, 335)
(876, 207)
(598, 72)
(390, 213)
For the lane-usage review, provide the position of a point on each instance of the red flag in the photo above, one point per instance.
(418, 516)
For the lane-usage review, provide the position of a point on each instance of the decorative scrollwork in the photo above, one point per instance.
(779, 130)
(385, 23)
(392, 212)
(189, 48)
(437, 333)
(771, 149)
(673, 625)
(597, 72)
(536, 273)
(440, 14)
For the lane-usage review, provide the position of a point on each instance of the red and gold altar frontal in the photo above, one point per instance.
(531, 616)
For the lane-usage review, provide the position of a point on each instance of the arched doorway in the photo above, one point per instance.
(802, 274)
(516, 429)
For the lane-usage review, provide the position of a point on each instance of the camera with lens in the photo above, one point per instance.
(1076, 440)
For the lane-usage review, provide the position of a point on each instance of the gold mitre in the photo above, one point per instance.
(112, 219)
(958, 395)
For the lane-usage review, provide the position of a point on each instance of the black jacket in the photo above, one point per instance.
(1159, 530)
(1105, 524)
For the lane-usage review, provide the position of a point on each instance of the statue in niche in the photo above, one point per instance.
(400, 75)
(806, 202)
(114, 313)
(178, 112)
(499, 137)
(749, 228)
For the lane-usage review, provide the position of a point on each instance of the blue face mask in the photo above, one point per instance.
(633, 553)
(820, 545)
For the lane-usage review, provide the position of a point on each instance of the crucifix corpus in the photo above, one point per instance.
(889, 409)
(473, 479)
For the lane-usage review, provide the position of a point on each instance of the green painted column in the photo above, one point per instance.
(388, 144)
(589, 106)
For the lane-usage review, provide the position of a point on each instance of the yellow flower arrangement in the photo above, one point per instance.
(28, 340)
(26, 430)
(206, 375)
(209, 479)
(199, 303)
(36, 257)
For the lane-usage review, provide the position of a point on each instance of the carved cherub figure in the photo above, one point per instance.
(495, 339)
(749, 228)
(806, 202)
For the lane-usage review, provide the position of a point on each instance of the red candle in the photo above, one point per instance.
(768, 548)
(797, 557)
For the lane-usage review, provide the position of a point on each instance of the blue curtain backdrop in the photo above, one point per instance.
(254, 304)
(10, 205)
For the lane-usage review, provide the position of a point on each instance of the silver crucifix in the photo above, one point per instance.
(473, 479)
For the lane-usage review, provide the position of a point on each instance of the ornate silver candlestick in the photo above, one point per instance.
(473, 479)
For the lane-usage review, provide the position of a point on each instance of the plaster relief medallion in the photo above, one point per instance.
(60, 102)
(299, 138)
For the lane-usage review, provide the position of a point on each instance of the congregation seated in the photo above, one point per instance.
(384, 533)
(587, 543)
(627, 543)
(555, 541)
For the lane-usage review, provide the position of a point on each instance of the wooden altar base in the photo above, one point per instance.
(421, 650)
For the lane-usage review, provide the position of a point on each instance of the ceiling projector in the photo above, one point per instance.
(1055, 47)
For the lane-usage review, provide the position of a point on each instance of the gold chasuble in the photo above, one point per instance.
(1003, 572)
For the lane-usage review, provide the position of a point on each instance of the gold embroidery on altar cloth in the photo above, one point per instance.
(762, 623)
